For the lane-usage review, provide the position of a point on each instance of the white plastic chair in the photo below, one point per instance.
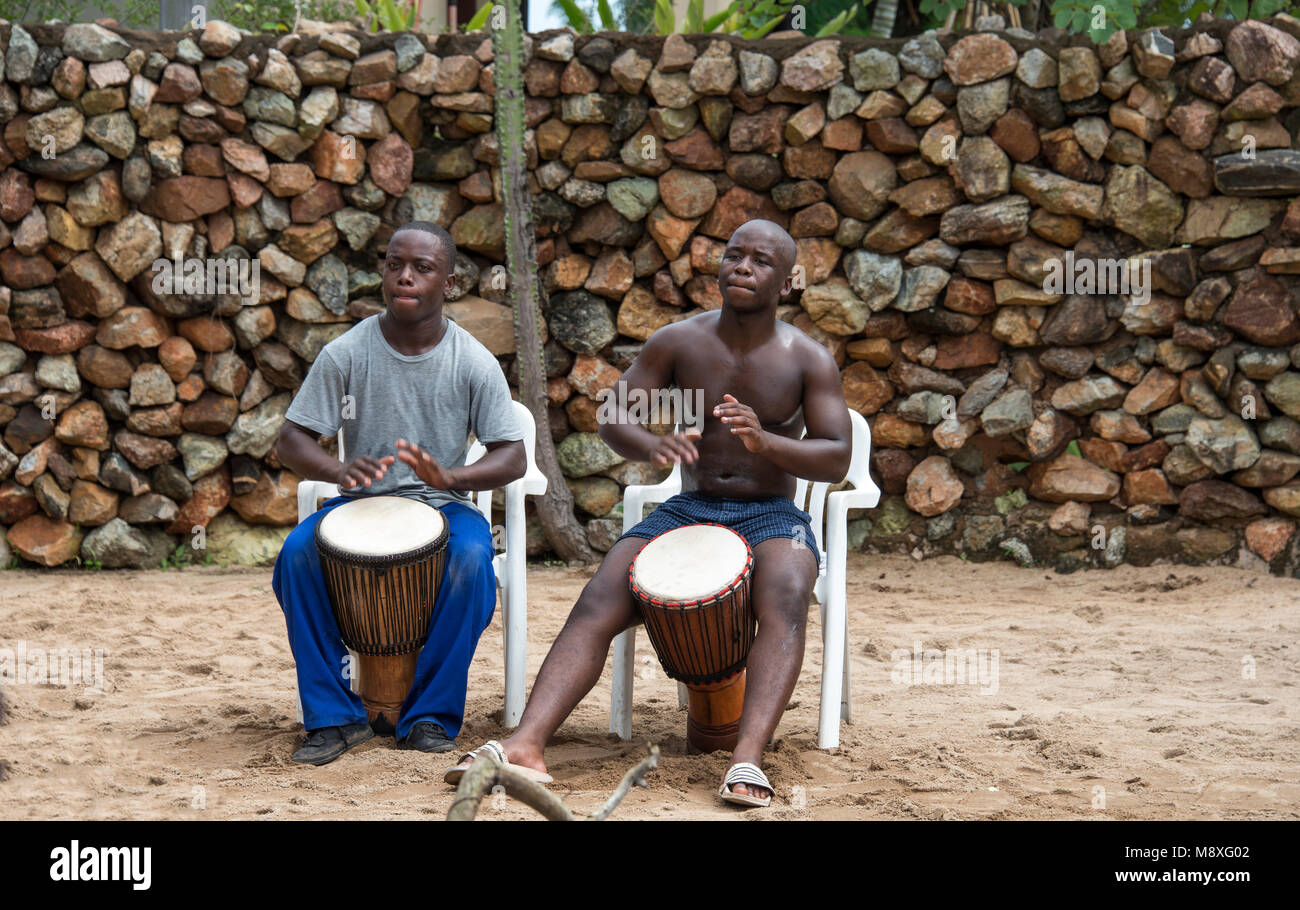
(829, 513)
(510, 566)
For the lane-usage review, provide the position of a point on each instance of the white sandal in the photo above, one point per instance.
(457, 771)
(750, 775)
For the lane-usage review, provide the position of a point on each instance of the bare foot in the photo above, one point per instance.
(756, 791)
(753, 790)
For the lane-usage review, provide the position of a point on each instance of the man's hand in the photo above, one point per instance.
(361, 471)
(676, 448)
(427, 468)
(743, 423)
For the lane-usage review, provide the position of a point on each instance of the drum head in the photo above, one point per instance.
(381, 526)
(691, 563)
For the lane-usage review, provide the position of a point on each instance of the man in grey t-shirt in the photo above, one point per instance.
(407, 387)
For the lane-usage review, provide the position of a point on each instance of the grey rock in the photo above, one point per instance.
(1012, 410)
(873, 69)
(923, 55)
(580, 321)
(874, 277)
(255, 431)
(981, 392)
(20, 58)
(117, 545)
(920, 288)
(327, 278)
(202, 454)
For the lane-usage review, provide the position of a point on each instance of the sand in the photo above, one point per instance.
(1120, 694)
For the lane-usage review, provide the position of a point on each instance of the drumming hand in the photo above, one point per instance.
(361, 471)
(743, 422)
(675, 449)
(427, 468)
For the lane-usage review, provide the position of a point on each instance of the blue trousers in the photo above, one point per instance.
(466, 600)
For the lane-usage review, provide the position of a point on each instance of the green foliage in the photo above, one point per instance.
(91, 563)
(608, 21)
(271, 15)
(578, 19)
(1078, 17)
(387, 15)
(1073, 449)
(179, 559)
(480, 18)
(14, 562)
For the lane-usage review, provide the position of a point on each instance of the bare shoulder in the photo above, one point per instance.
(676, 335)
(809, 353)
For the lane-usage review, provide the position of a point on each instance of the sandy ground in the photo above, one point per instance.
(1120, 694)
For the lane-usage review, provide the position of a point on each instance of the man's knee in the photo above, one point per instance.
(472, 551)
(298, 552)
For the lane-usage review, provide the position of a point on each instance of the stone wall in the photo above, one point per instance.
(931, 184)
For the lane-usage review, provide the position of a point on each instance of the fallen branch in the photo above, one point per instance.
(486, 774)
(633, 778)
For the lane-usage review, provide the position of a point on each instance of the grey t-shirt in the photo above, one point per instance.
(435, 399)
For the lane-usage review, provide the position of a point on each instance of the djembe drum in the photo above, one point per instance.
(383, 558)
(692, 585)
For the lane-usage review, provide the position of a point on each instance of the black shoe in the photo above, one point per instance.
(328, 743)
(428, 737)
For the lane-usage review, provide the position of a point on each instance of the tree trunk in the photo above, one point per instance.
(555, 508)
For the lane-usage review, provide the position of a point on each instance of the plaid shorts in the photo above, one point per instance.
(756, 520)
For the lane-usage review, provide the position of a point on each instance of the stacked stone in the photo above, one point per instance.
(928, 184)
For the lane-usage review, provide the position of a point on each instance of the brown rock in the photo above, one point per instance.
(132, 326)
(159, 421)
(211, 495)
(43, 541)
(1269, 536)
(1260, 311)
(865, 390)
(933, 487)
(206, 333)
(91, 504)
(143, 451)
(273, 501)
(59, 339)
(1212, 500)
(177, 357)
(186, 198)
(1067, 477)
(391, 161)
(211, 414)
(733, 209)
(979, 58)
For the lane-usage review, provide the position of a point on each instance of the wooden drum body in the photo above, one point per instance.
(692, 585)
(383, 558)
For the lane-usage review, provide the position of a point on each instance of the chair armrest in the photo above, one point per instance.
(635, 496)
(310, 492)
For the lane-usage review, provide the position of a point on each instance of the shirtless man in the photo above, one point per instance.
(766, 380)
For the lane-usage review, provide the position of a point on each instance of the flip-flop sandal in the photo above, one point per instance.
(457, 771)
(750, 775)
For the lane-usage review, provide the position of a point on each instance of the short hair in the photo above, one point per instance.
(786, 247)
(447, 245)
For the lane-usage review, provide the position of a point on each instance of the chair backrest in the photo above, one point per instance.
(483, 499)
